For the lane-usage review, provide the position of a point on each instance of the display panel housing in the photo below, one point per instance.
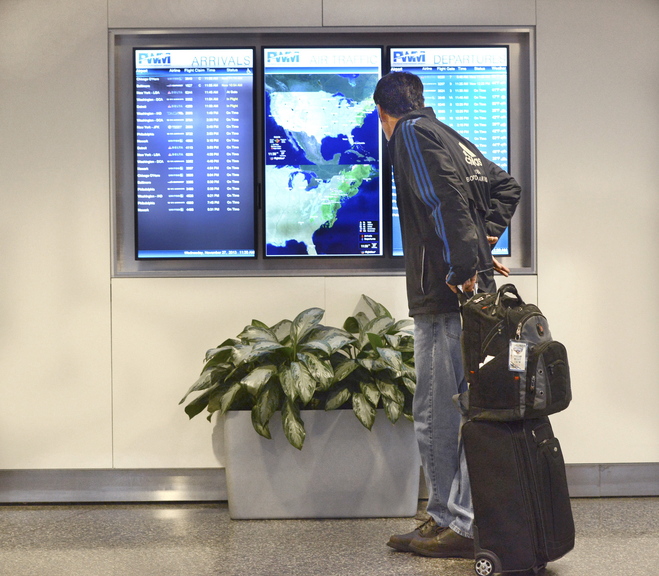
(128, 229)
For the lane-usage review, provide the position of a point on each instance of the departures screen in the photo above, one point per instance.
(194, 153)
(467, 87)
(323, 191)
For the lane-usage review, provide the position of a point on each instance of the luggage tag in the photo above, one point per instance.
(517, 353)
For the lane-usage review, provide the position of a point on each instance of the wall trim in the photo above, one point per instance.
(209, 484)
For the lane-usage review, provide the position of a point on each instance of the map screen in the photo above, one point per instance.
(468, 90)
(323, 191)
(194, 153)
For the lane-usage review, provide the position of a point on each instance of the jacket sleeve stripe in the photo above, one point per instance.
(424, 182)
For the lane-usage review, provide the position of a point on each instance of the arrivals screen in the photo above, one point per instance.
(468, 90)
(323, 191)
(194, 153)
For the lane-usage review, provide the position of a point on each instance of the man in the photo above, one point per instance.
(453, 204)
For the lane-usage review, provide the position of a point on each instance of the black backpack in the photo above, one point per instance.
(514, 368)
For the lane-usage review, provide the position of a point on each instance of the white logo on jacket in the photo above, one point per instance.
(470, 157)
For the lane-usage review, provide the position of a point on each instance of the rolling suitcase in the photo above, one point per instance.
(522, 513)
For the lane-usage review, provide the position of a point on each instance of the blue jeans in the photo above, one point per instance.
(437, 421)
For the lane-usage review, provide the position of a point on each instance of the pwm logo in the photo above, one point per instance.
(409, 56)
(282, 56)
(145, 58)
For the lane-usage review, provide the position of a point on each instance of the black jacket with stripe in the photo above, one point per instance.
(450, 198)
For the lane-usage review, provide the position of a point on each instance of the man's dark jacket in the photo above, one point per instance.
(450, 198)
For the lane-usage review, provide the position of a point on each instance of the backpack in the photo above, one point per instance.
(514, 368)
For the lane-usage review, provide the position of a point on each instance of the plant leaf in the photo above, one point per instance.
(303, 382)
(262, 429)
(371, 392)
(337, 398)
(240, 353)
(364, 411)
(266, 405)
(223, 399)
(321, 370)
(379, 325)
(282, 330)
(351, 325)
(204, 381)
(391, 391)
(318, 345)
(305, 322)
(401, 325)
(219, 355)
(293, 424)
(287, 381)
(368, 363)
(331, 339)
(257, 333)
(393, 359)
(378, 309)
(260, 349)
(375, 340)
(257, 378)
(198, 404)
(343, 370)
(409, 384)
(393, 410)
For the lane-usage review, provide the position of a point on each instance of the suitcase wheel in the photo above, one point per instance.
(483, 566)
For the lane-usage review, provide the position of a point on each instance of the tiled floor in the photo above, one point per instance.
(616, 537)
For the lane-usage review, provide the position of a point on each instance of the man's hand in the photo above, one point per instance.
(468, 286)
(492, 240)
(500, 268)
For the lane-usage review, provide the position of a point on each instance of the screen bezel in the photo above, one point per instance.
(502, 252)
(263, 143)
(253, 176)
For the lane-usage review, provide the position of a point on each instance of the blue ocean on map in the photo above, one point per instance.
(364, 149)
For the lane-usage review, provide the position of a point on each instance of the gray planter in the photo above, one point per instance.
(343, 470)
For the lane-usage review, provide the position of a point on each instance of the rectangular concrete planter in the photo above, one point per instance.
(343, 470)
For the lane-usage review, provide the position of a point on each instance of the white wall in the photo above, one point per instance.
(598, 218)
(92, 368)
(55, 363)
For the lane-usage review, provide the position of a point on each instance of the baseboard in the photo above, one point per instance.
(112, 485)
(609, 480)
(209, 484)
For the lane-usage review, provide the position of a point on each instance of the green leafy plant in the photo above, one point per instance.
(302, 364)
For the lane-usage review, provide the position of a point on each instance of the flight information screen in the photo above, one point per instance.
(467, 87)
(323, 192)
(194, 153)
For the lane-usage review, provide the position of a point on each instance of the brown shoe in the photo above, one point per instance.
(447, 544)
(428, 529)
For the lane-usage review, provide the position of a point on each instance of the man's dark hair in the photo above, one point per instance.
(398, 93)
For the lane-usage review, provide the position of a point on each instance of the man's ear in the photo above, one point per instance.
(388, 122)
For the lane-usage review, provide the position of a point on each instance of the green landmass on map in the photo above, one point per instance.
(296, 211)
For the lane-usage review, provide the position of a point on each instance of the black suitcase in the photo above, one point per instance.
(522, 513)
